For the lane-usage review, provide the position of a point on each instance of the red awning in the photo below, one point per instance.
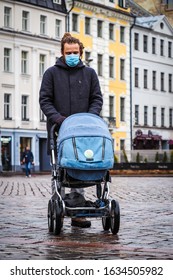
(170, 142)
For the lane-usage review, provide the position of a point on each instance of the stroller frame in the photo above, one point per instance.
(107, 209)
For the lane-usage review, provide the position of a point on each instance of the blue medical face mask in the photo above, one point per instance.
(72, 59)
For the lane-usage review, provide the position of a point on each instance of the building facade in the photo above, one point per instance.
(30, 34)
(104, 28)
(152, 98)
(158, 7)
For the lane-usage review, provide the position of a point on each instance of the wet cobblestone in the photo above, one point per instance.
(146, 230)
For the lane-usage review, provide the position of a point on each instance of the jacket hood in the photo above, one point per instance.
(60, 63)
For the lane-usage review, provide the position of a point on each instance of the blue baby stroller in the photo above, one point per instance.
(85, 154)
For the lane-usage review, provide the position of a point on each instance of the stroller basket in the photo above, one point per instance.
(85, 147)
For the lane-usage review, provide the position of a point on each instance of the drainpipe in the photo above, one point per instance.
(131, 90)
(67, 18)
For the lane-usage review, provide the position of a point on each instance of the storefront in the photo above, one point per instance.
(148, 141)
(12, 146)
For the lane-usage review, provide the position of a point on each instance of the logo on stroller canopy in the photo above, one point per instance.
(89, 154)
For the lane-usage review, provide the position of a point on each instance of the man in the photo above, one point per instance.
(70, 87)
(27, 159)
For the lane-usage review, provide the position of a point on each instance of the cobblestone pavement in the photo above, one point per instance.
(146, 230)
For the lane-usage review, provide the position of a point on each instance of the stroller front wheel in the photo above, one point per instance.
(50, 215)
(106, 222)
(115, 217)
(57, 217)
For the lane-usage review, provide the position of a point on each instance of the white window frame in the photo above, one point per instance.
(24, 108)
(7, 17)
(7, 106)
(25, 20)
(58, 25)
(24, 62)
(7, 59)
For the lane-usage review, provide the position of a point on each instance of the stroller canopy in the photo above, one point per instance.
(83, 124)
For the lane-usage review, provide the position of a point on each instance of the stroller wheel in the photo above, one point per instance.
(106, 223)
(115, 217)
(57, 218)
(50, 216)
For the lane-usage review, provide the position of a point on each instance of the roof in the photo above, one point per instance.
(149, 22)
(136, 10)
(48, 4)
(153, 22)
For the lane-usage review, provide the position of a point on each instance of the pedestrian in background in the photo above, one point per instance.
(28, 160)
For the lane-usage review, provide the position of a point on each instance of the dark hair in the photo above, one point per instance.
(67, 38)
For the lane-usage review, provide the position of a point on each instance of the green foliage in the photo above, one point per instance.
(145, 160)
(157, 157)
(125, 156)
(138, 158)
(171, 156)
(165, 157)
(115, 159)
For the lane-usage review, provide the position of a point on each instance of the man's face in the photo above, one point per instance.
(71, 49)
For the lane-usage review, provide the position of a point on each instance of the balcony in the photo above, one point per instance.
(111, 121)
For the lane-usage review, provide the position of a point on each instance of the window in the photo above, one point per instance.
(122, 34)
(154, 80)
(162, 80)
(111, 106)
(111, 67)
(153, 45)
(122, 69)
(25, 21)
(136, 41)
(162, 117)
(145, 43)
(154, 116)
(136, 77)
(122, 109)
(75, 22)
(87, 26)
(122, 144)
(169, 5)
(122, 3)
(111, 31)
(145, 78)
(58, 28)
(170, 117)
(57, 2)
(169, 49)
(43, 25)
(7, 60)
(145, 115)
(162, 47)
(170, 83)
(7, 16)
(24, 62)
(25, 108)
(136, 114)
(42, 117)
(7, 106)
(88, 58)
(42, 64)
(99, 28)
(100, 64)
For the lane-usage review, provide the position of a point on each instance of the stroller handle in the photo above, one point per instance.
(52, 136)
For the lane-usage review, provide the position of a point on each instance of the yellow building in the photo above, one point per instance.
(104, 29)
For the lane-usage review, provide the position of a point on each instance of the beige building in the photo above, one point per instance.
(158, 7)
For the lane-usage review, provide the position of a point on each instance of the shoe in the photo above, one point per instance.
(30, 176)
(80, 222)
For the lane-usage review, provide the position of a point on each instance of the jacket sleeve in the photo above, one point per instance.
(46, 98)
(96, 99)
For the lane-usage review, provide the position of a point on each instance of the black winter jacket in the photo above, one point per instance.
(65, 91)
